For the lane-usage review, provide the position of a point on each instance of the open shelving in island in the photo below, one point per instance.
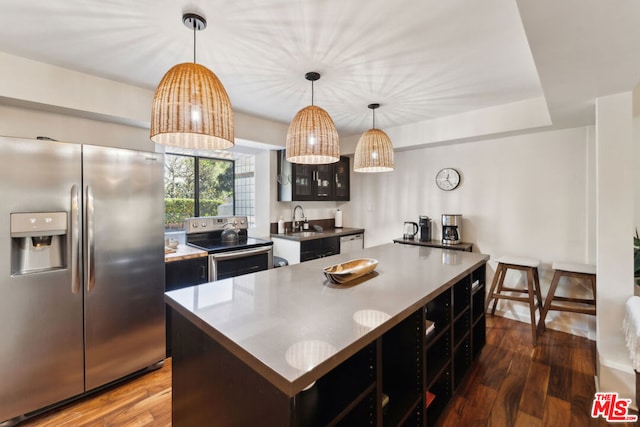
(285, 347)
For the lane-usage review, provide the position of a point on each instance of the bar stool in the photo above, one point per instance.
(528, 265)
(585, 272)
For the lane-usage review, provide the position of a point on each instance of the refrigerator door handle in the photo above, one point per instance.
(90, 239)
(75, 240)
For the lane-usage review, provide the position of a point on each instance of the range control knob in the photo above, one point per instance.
(194, 225)
(204, 224)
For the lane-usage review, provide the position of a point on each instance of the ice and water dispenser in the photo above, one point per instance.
(38, 241)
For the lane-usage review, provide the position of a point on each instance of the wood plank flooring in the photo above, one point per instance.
(143, 401)
(511, 384)
(514, 384)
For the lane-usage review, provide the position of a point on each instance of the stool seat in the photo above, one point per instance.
(575, 268)
(584, 272)
(518, 260)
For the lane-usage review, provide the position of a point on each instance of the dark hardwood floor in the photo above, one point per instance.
(510, 384)
(514, 384)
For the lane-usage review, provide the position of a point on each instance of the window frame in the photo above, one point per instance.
(196, 178)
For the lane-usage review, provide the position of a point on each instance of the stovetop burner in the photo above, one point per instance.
(206, 233)
(216, 245)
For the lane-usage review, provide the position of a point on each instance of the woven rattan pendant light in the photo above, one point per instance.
(312, 137)
(374, 152)
(191, 108)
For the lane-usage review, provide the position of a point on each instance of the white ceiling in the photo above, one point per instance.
(420, 59)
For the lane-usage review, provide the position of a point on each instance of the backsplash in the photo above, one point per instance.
(324, 223)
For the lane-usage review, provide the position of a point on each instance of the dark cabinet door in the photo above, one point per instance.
(319, 248)
(181, 274)
(188, 272)
(302, 178)
(341, 179)
(322, 185)
(297, 182)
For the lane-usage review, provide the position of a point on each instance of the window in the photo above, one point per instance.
(197, 186)
(245, 188)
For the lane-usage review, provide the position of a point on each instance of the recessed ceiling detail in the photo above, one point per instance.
(422, 59)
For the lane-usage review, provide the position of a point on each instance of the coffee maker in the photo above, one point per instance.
(425, 228)
(451, 229)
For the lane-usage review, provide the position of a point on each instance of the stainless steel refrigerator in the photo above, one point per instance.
(81, 269)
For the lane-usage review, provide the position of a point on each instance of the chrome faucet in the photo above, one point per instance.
(293, 217)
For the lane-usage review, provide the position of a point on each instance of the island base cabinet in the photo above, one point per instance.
(441, 392)
(402, 371)
(345, 396)
(212, 387)
(405, 376)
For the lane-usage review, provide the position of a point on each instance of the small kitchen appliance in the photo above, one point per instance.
(451, 229)
(410, 229)
(425, 228)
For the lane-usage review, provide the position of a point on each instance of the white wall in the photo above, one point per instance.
(615, 217)
(79, 107)
(636, 155)
(30, 123)
(529, 195)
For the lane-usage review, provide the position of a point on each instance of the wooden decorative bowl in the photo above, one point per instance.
(350, 270)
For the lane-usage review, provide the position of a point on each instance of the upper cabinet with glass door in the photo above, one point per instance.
(341, 180)
(298, 182)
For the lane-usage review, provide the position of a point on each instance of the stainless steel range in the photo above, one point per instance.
(231, 252)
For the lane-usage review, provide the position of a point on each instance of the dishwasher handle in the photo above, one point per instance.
(351, 237)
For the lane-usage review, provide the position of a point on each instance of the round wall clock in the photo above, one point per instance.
(447, 179)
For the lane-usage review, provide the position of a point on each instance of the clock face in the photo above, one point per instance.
(447, 179)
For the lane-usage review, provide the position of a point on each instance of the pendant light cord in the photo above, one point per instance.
(195, 24)
(312, 92)
(374, 118)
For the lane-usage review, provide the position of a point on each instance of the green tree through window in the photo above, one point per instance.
(196, 186)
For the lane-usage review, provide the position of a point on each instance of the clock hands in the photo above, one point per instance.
(447, 179)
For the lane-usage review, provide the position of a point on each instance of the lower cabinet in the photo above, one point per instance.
(296, 251)
(319, 248)
(402, 373)
(181, 274)
(346, 396)
(406, 377)
(426, 357)
(458, 337)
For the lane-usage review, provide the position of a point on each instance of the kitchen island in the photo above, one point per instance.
(245, 349)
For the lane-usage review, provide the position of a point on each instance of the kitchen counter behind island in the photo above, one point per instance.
(251, 344)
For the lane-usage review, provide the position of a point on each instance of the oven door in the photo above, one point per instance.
(236, 263)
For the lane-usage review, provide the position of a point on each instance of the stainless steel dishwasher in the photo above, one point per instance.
(351, 243)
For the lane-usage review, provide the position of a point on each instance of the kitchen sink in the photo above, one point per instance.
(305, 233)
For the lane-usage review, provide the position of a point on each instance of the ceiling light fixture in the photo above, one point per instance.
(312, 137)
(374, 152)
(191, 108)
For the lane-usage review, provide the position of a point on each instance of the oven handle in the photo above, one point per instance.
(240, 254)
(215, 258)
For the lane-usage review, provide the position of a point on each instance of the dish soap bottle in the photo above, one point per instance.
(305, 225)
(281, 225)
